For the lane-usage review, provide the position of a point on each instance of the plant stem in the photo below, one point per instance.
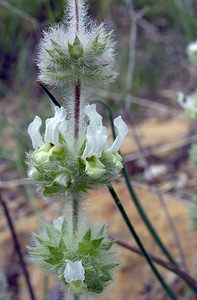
(77, 15)
(76, 297)
(165, 286)
(145, 217)
(77, 108)
(75, 213)
(18, 248)
(192, 282)
(46, 287)
(76, 103)
(136, 200)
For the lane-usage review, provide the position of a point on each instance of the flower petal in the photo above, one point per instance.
(74, 271)
(34, 132)
(181, 98)
(57, 223)
(54, 125)
(96, 136)
(123, 130)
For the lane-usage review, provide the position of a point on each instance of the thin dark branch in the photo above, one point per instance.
(136, 200)
(18, 248)
(182, 274)
(48, 93)
(138, 241)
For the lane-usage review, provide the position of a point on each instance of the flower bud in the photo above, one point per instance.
(74, 271)
(76, 49)
(81, 260)
(113, 162)
(94, 168)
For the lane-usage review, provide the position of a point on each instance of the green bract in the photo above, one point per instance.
(75, 59)
(56, 244)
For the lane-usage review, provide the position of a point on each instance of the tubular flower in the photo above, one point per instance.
(60, 164)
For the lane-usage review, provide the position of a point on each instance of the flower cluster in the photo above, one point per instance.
(82, 260)
(76, 50)
(60, 166)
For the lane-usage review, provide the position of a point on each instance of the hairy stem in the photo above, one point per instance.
(165, 286)
(77, 109)
(75, 213)
(77, 15)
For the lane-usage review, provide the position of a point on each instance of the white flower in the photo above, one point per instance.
(189, 103)
(53, 126)
(192, 51)
(57, 223)
(74, 271)
(96, 136)
(34, 132)
(123, 130)
(59, 159)
(192, 47)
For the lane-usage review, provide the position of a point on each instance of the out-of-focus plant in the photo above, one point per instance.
(189, 103)
(21, 21)
(4, 295)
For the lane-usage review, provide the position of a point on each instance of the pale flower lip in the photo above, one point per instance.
(123, 130)
(57, 223)
(34, 132)
(187, 102)
(74, 271)
(97, 134)
(53, 125)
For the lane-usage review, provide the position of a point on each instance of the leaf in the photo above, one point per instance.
(96, 243)
(88, 235)
(106, 246)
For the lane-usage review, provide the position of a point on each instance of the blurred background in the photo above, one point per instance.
(152, 36)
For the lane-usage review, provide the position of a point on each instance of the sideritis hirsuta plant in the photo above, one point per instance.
(73, 154)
